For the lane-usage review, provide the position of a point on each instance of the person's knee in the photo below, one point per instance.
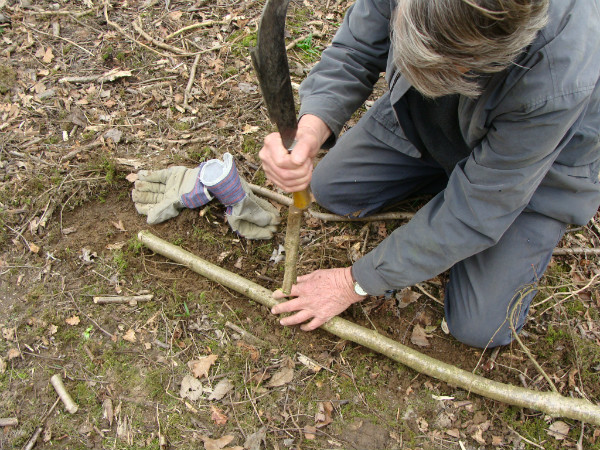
(327, 194)
(320, 187)
(479, 332)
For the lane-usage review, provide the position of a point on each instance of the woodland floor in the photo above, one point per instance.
(68, 233)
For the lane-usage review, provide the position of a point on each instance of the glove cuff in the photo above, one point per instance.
(198, 196)
(222, 180)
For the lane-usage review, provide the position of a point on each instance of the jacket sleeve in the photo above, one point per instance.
(344, 77)
(484, 195)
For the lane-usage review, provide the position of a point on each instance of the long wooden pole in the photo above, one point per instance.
(548, 402)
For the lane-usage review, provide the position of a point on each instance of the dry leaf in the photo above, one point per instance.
(119, 225)
(405, 297)
(132, 177)
(13, 353)
(191, 388)
(254, 353)
(454, 432)
(478, 436)
(2, 366)
(130, 336)
(218, 416)
(221, 389)
(422, 425)
(74, 320)
(419, 337)
(308, 362)
(559, 430)
(52, 329)
(200, 367)
(323, 416)
(48, 56)
(108, 413)
(216, 444)
(254, 441)
(497, 441)
(69, 230)
(382, 230)
(248, 129)
(116, 245)
(175, 15)
(310, 432)
(281, 377)
(33, 248)
(10, 334)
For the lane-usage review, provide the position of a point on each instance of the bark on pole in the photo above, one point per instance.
(548, 402)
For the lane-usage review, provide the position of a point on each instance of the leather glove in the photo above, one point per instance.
(162, 194)
(248, 215)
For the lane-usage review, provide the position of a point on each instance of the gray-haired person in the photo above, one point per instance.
(494, 108)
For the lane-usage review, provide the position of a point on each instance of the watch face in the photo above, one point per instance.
(359, 290)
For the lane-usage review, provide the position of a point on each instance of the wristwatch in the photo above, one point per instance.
(359, 290)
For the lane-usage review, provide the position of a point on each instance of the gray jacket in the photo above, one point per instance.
(534, 135)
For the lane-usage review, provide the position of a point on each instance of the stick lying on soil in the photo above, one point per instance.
(130, 299)
(547, 402)
(9, 422)
(59, 387)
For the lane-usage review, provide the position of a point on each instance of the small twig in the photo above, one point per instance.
(579, 444)
(117, 27)
(188, 88)
(419, 287)
(60, 389)
(524, 438)
(34, 437)
(158, 43)
(90, 319)
(245, 335)
(208, 23)
(59, 37)
(576, 251)
(36, 434)
(571, 294)
(512, 321)
(9, 422)
(132, 300)
(39, 12)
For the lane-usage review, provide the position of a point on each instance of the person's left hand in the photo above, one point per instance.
(319, 296)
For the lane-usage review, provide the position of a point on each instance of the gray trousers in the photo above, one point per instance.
(369, 169)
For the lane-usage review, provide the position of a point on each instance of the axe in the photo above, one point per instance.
(271, 66)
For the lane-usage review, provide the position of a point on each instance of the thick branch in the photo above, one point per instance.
(547, 402)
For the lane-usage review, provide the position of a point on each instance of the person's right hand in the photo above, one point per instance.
(292, 171)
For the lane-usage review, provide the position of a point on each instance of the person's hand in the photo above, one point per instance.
(319, 296)
(162, 194)
(292, 171)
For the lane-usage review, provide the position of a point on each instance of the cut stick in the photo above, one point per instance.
(9, 422)
(548, 402)
(131, 299)
(59, 387)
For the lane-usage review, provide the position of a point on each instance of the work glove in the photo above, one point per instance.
(247, 215)
(162, 194)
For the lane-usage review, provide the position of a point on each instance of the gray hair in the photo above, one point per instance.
(441, 45)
